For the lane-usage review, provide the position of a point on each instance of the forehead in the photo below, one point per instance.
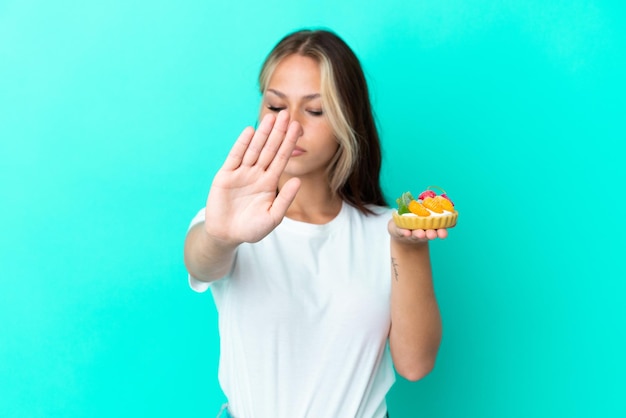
(296, 74)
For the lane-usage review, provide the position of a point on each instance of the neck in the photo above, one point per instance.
(315, 203)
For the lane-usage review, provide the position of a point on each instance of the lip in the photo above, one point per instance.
(297, 151)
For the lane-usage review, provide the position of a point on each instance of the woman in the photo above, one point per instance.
(319, 294)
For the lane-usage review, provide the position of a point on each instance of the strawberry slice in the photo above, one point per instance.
(426, 193)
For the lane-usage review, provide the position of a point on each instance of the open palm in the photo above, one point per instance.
(243, 205)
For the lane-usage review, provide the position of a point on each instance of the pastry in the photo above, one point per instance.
(428, 211)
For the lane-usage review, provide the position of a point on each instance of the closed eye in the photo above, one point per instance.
(274, 108)
(315, 112)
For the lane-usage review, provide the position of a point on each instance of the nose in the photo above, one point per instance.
(300, 129)
(295, 116)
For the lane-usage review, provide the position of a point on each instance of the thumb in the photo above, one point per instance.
(284, 198)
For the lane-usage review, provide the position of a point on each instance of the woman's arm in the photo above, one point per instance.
(206, 258)
(416, 329)
(242, 205)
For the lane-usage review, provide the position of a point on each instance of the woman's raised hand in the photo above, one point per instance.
(243, 205)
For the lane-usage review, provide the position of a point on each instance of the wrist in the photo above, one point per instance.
(409, 244)
(217, 243)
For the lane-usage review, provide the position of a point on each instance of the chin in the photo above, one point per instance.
(301, 170)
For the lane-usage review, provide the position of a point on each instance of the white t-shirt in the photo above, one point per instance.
(304, 318)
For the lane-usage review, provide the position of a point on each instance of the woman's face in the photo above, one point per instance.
(295, 86)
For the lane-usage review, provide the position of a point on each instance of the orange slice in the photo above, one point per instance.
(432, 204)
(416, 208)
(445, 203)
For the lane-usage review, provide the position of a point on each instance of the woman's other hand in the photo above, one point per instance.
(409, 236)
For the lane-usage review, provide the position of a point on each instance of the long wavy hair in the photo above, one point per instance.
(354, 171)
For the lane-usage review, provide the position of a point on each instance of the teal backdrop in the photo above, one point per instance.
(115, 115)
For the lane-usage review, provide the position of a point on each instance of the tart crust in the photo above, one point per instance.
(425, 222)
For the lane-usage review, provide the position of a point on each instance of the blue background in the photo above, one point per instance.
(115, 115)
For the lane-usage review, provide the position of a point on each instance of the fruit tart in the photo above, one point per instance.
(429, 211)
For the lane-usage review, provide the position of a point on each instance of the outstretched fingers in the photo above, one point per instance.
(266, 127)
(269, 147)
(282, 155)
(275, 139)
(284, 198)
(237, 152)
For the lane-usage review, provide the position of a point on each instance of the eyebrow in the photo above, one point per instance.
(284, 96)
